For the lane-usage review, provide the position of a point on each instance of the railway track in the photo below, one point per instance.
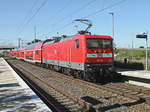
(63, 101)
(78, 95)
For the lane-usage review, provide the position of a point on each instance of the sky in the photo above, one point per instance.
(19, 18)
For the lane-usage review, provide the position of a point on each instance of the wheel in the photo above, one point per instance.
(90, 77)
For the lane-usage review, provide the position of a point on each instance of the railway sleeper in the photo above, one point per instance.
(76, 107)
(64, 103)
(62, 100)
(139, 90)
(72, 105)
(61, 97)
(52, 92)
(69, 103)
(132, 92)
(127, 94)
(76, 110)
(57, 96)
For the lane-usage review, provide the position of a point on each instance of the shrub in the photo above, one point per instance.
(134, 65)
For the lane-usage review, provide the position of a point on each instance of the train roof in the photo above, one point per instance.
(34, 46)
(21, 49)
(66, 38)
(99, 36)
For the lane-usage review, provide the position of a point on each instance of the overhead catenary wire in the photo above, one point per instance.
(62, 9)
(72, 13)
(31, 18)
(64, 26)
(76, 11)
(105, 8)
(94, 13)
(28, 13)
(59, 11)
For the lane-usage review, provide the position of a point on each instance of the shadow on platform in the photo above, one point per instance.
(9, 85)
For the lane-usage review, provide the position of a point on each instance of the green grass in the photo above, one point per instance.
(132, 53)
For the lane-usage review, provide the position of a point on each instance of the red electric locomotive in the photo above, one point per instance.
(87, 56)
(84, 56)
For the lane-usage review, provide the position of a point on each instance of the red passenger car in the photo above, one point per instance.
(33, 53)
(14, 53)
(11, 53)
(21, 53)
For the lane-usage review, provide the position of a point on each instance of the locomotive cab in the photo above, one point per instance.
(99, 55)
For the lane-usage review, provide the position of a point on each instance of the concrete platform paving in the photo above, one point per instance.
(137, 77)
(135, 73)
(15, 95)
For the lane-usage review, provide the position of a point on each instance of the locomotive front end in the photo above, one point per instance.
(99, 55)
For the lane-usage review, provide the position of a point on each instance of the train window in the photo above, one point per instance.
(107, 43)
(97, 43)
(77, 43)
(36, 52)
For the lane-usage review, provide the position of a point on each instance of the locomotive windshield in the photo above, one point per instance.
(97, 43)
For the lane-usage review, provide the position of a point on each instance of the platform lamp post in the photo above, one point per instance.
(19, 42)
(144, 36)
(113, 26)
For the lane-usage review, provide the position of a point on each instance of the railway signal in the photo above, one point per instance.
(144, 36)
(141, 36)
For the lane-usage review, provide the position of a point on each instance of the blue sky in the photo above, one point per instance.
(131, 17)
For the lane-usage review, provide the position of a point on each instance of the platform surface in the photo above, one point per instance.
(137, 77)
(135, 73)
(15, 95)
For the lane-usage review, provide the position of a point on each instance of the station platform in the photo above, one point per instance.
(135, 73)
(15, 94)
(138, 77)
